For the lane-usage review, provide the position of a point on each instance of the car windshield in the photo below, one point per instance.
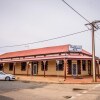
(2, 73)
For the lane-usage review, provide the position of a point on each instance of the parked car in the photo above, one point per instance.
(7, 77)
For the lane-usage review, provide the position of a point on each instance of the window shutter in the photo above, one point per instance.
(69, 67)
(23, 66)
(46, 65)
(62, 64)
(79, 66)
(42, 65)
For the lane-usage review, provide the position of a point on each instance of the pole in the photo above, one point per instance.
(93, 25)
(14, 64)
(44, 63)
(65, 69)
(93, 54)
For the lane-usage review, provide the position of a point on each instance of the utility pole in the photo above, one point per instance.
(93, 27)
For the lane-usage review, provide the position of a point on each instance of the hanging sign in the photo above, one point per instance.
(75, 48)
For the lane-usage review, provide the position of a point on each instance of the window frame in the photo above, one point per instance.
(84, 65)
(60, 66)
(1, 67)
(23, 66)
(42, 66)
(11, 66)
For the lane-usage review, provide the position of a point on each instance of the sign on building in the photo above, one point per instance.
(75, 48)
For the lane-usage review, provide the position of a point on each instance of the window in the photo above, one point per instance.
(69, 66)
(1, 66)
(84, 65)
(23, 66)
(10, 66)
(46, 66)
(60, 66)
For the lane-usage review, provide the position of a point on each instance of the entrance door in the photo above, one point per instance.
(74, 69)
(34, 69)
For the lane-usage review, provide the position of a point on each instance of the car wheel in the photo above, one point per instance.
(7, 78)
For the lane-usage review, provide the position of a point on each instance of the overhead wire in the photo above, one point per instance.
(8, 46)
(79, 13)
(76, 11)
(55, 37)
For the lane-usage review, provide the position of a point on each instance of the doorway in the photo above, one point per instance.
(34, 69)
(74, 69)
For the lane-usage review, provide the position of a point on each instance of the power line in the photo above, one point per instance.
(44, 40)
(75, 11)
(79, 13)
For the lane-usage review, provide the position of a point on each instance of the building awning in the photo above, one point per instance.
(69, 57)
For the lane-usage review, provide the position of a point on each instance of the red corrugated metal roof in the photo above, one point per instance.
(39, 51)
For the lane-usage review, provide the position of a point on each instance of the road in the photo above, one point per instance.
(22, 90)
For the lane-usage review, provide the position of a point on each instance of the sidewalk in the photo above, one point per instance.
(50, 79)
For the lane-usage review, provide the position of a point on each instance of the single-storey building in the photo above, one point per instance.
(63, 60)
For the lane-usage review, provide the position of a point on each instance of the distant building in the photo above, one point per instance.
(65, 60)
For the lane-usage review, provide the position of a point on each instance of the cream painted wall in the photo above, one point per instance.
(18, 69)
(82, 72)
(51, 69)
(6, 69)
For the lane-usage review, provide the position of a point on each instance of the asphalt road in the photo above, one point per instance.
(22, 90)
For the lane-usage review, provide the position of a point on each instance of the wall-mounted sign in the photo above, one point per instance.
(75, 48)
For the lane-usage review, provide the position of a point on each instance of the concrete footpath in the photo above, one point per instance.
(51, 79)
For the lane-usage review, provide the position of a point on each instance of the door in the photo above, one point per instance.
(74, 69)
(34, 69)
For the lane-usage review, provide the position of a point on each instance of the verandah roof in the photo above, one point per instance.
(78, 57)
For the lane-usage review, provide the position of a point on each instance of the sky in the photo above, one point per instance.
(28, 21)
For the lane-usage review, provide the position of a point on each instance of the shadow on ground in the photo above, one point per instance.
(5, 98)
(8, 86)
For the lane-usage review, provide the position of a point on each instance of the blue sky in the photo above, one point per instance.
(25, 21)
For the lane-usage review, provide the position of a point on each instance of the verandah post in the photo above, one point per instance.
(65, 64)
(14, 68)
(27, 68)
(44, 63)
(98, 68)
(3, 66)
